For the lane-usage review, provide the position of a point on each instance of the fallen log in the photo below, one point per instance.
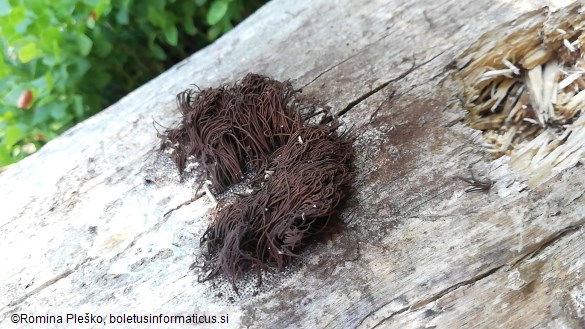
(100, 223)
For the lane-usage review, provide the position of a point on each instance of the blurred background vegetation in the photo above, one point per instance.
(65, 60)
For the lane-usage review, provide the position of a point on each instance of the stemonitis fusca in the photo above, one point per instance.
(298, 173)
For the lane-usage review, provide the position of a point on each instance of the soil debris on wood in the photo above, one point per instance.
(298, 173)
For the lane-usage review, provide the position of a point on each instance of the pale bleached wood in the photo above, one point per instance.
(83, 231)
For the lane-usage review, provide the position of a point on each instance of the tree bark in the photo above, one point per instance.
(98, 220)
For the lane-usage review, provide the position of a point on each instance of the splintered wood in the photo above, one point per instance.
(524, 89)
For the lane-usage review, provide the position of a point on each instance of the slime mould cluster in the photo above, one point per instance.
(299, 172)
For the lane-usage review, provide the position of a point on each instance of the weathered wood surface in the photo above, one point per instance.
(83, 226)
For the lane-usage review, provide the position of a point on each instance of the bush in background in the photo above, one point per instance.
(62, 61)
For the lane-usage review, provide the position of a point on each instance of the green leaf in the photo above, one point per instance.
(16, 16)
(40, 23)
(101, 79)
(78, 107)
(41, 114)
(28, 52)
(105, 7)
(61, 125)
(159, 5)
(216, 12)
(188, 17)
(92, 3)
(11, 96)
(40, 86)
(158, 52)
(189, 27)
(4, 69)
(5, 158)
(102, 47)
(57, 110)
(12, 135)
(187, 9)
(78, 67)
(6, 116)
(50, 37)
(155, 17)
(171, 35)
(36, 6)
(214, 32)
(84, 43)
(90, 23)
(122, 16)
(8, 31)
(69, 55)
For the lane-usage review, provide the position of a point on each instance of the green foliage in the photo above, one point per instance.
(78, 56)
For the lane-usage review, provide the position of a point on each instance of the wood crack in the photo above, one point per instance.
(536, 251)
(553, 239)
(328, 70)
(400, 311)
(435, 297)
(158, 224)
(345, 60)
(45, 285)
(403, 75)
(196, 197)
